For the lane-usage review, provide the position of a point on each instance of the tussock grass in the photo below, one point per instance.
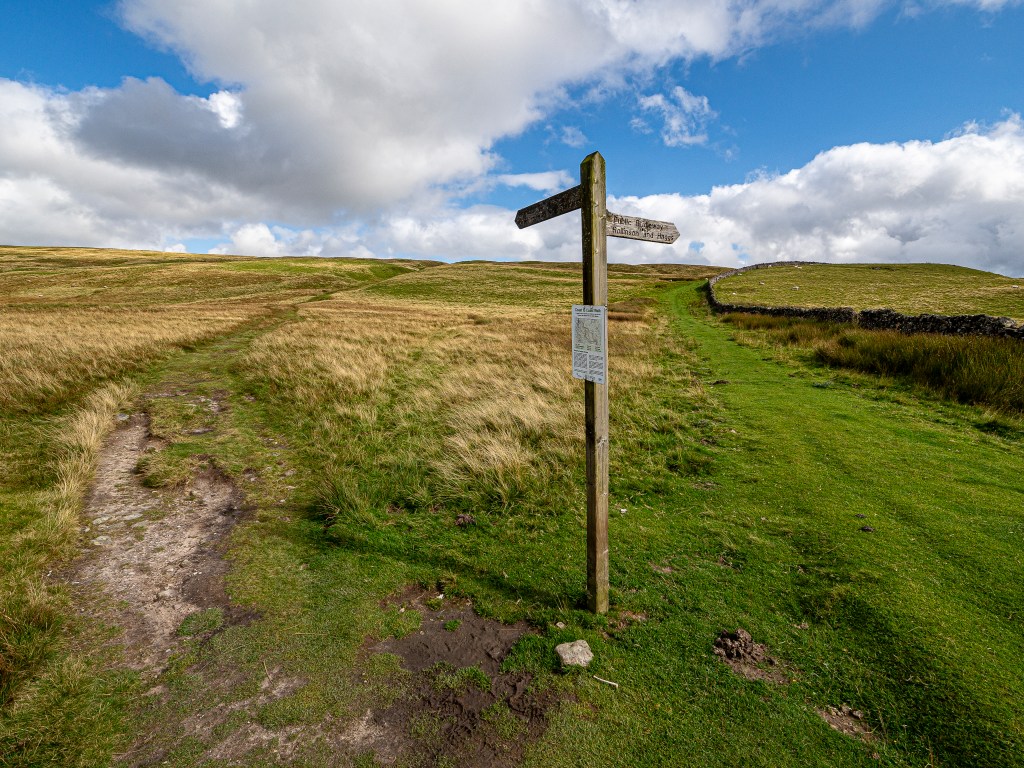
(975, 370)
(30, 606)
(52, 355)
(453, 408)
(908, 288)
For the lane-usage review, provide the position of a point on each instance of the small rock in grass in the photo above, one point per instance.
(867, 529)
(860, 515)
(465, 519)
(577, 654)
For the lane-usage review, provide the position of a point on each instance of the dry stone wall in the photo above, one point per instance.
(873, 319)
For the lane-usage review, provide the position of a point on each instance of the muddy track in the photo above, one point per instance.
(157, 555)
(153, 557)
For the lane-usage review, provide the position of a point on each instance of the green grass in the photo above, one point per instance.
(908, 288)
(458, 680)
(369, 428)
(968, 369)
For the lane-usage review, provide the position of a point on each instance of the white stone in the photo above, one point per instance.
(577, 654)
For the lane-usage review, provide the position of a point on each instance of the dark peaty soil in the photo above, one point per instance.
(453, 719)
(747, 658)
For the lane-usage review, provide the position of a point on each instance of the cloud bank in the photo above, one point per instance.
(957, 201)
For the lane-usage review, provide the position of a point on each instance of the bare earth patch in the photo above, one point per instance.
(157, 555)
(461, 708)
(847, 721)
(450, 704)
(747, 658)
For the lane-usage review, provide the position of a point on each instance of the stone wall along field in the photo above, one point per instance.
(873, 319)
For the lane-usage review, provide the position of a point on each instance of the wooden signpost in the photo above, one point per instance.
(597, 223)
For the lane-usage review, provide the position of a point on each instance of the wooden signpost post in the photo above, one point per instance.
(597, 223)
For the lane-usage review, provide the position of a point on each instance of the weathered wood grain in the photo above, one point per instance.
(556, 205)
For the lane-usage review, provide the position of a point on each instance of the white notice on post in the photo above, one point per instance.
(590, 343)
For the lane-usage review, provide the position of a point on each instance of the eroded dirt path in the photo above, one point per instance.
(154, 557)
(157, 554)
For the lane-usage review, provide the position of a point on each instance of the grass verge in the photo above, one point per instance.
(967, 369)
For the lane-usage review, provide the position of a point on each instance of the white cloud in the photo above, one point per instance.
(957, 201)
(227, 106)
(256, 240)
(355, 107)
(684, 117)
(572, 136)
(54, 191)
(546, 181)
(359, 106)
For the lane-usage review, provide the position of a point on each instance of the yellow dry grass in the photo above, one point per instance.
(79, 438)
(50, 353)
(27, 598)
(490, 388)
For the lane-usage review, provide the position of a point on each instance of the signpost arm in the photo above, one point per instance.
(595, 292)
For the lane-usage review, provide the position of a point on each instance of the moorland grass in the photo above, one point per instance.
(908, 288)
(740, 505)
(77, 330)
(361, 425)
(968, 369)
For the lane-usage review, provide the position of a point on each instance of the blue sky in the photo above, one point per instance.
(859, 130)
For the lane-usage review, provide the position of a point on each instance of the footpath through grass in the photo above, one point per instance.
(979, 370)
(918, 621)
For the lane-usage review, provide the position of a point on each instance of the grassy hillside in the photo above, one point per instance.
(397, 424)
(908, 288)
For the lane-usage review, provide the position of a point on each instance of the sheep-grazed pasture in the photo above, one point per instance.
(408, 443)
